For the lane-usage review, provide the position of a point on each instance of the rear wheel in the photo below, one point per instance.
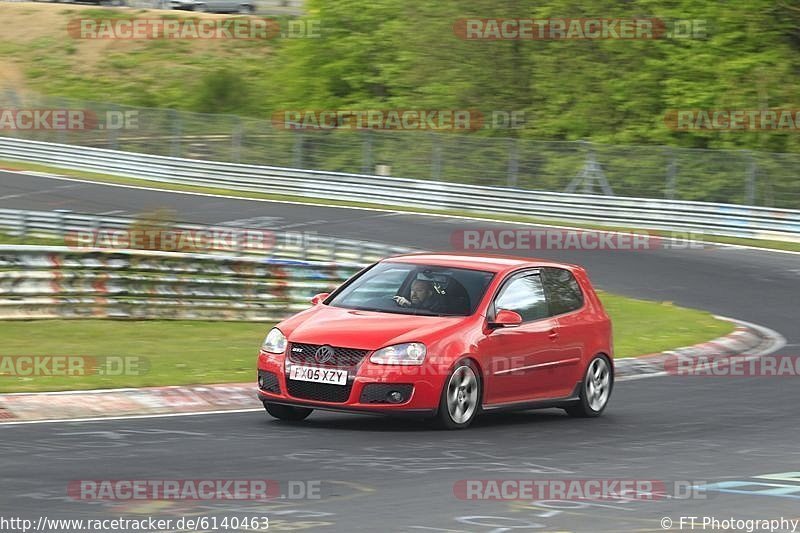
(595, 389)
(461, 396)
(287, 412)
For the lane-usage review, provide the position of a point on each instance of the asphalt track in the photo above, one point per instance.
(380, 474)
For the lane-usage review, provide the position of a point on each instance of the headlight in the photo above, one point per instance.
(275, 342)
(412, 353)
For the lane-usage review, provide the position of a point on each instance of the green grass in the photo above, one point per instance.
(643, 327)
(177, 352)
(122, 180)
(5, 238)
(194, 352)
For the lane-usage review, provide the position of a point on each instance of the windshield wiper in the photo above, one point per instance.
(425, 312)
(402, 311)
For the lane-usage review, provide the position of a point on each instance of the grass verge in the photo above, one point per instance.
(643, 327)
(193, 352)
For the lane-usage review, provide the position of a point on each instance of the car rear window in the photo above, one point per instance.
(563, 291)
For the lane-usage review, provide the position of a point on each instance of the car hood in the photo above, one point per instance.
(366, 330)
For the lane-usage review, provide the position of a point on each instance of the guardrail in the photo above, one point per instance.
(38, 282)
(659, 214)
(79, 229)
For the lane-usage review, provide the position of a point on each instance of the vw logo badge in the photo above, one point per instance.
(323, 354)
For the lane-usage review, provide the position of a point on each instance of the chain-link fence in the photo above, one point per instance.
(729, 176)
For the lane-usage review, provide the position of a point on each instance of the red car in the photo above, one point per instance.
(444, 336)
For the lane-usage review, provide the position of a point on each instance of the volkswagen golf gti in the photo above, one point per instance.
(446, 337)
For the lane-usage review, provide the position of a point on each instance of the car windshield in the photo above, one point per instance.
(414, 289)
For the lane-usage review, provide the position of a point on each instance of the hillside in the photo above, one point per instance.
(379, 54)
(39, 55)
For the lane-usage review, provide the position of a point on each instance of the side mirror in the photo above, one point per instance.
(506, 319)
(319, 298)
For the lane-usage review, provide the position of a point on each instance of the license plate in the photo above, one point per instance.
(331, 376)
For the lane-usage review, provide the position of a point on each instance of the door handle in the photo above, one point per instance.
(553, 335)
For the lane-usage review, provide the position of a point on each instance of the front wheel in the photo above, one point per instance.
(595, 389)
(461, 397)
(287, 412)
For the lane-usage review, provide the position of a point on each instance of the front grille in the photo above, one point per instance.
(342, 357)
(268, 381)
(378, 392)
(323, 392)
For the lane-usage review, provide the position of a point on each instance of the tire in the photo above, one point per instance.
(598, 381)
(246, 9)
(461, 397)
(287, 412)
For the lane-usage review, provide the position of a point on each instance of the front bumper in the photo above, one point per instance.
(367, 390)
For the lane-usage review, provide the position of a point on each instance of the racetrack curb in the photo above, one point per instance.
(747, 339)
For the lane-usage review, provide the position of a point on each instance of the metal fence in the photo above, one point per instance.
(83, 230)
(670, 215)
(730, 176)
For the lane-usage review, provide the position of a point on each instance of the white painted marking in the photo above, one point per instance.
(33, 193)
(129, 417)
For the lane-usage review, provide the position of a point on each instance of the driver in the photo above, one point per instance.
(422, 295)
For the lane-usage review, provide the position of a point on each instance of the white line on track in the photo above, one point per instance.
(127, 417)
(33, 193)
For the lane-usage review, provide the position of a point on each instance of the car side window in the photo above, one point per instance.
(525, 295)
(563, 292)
